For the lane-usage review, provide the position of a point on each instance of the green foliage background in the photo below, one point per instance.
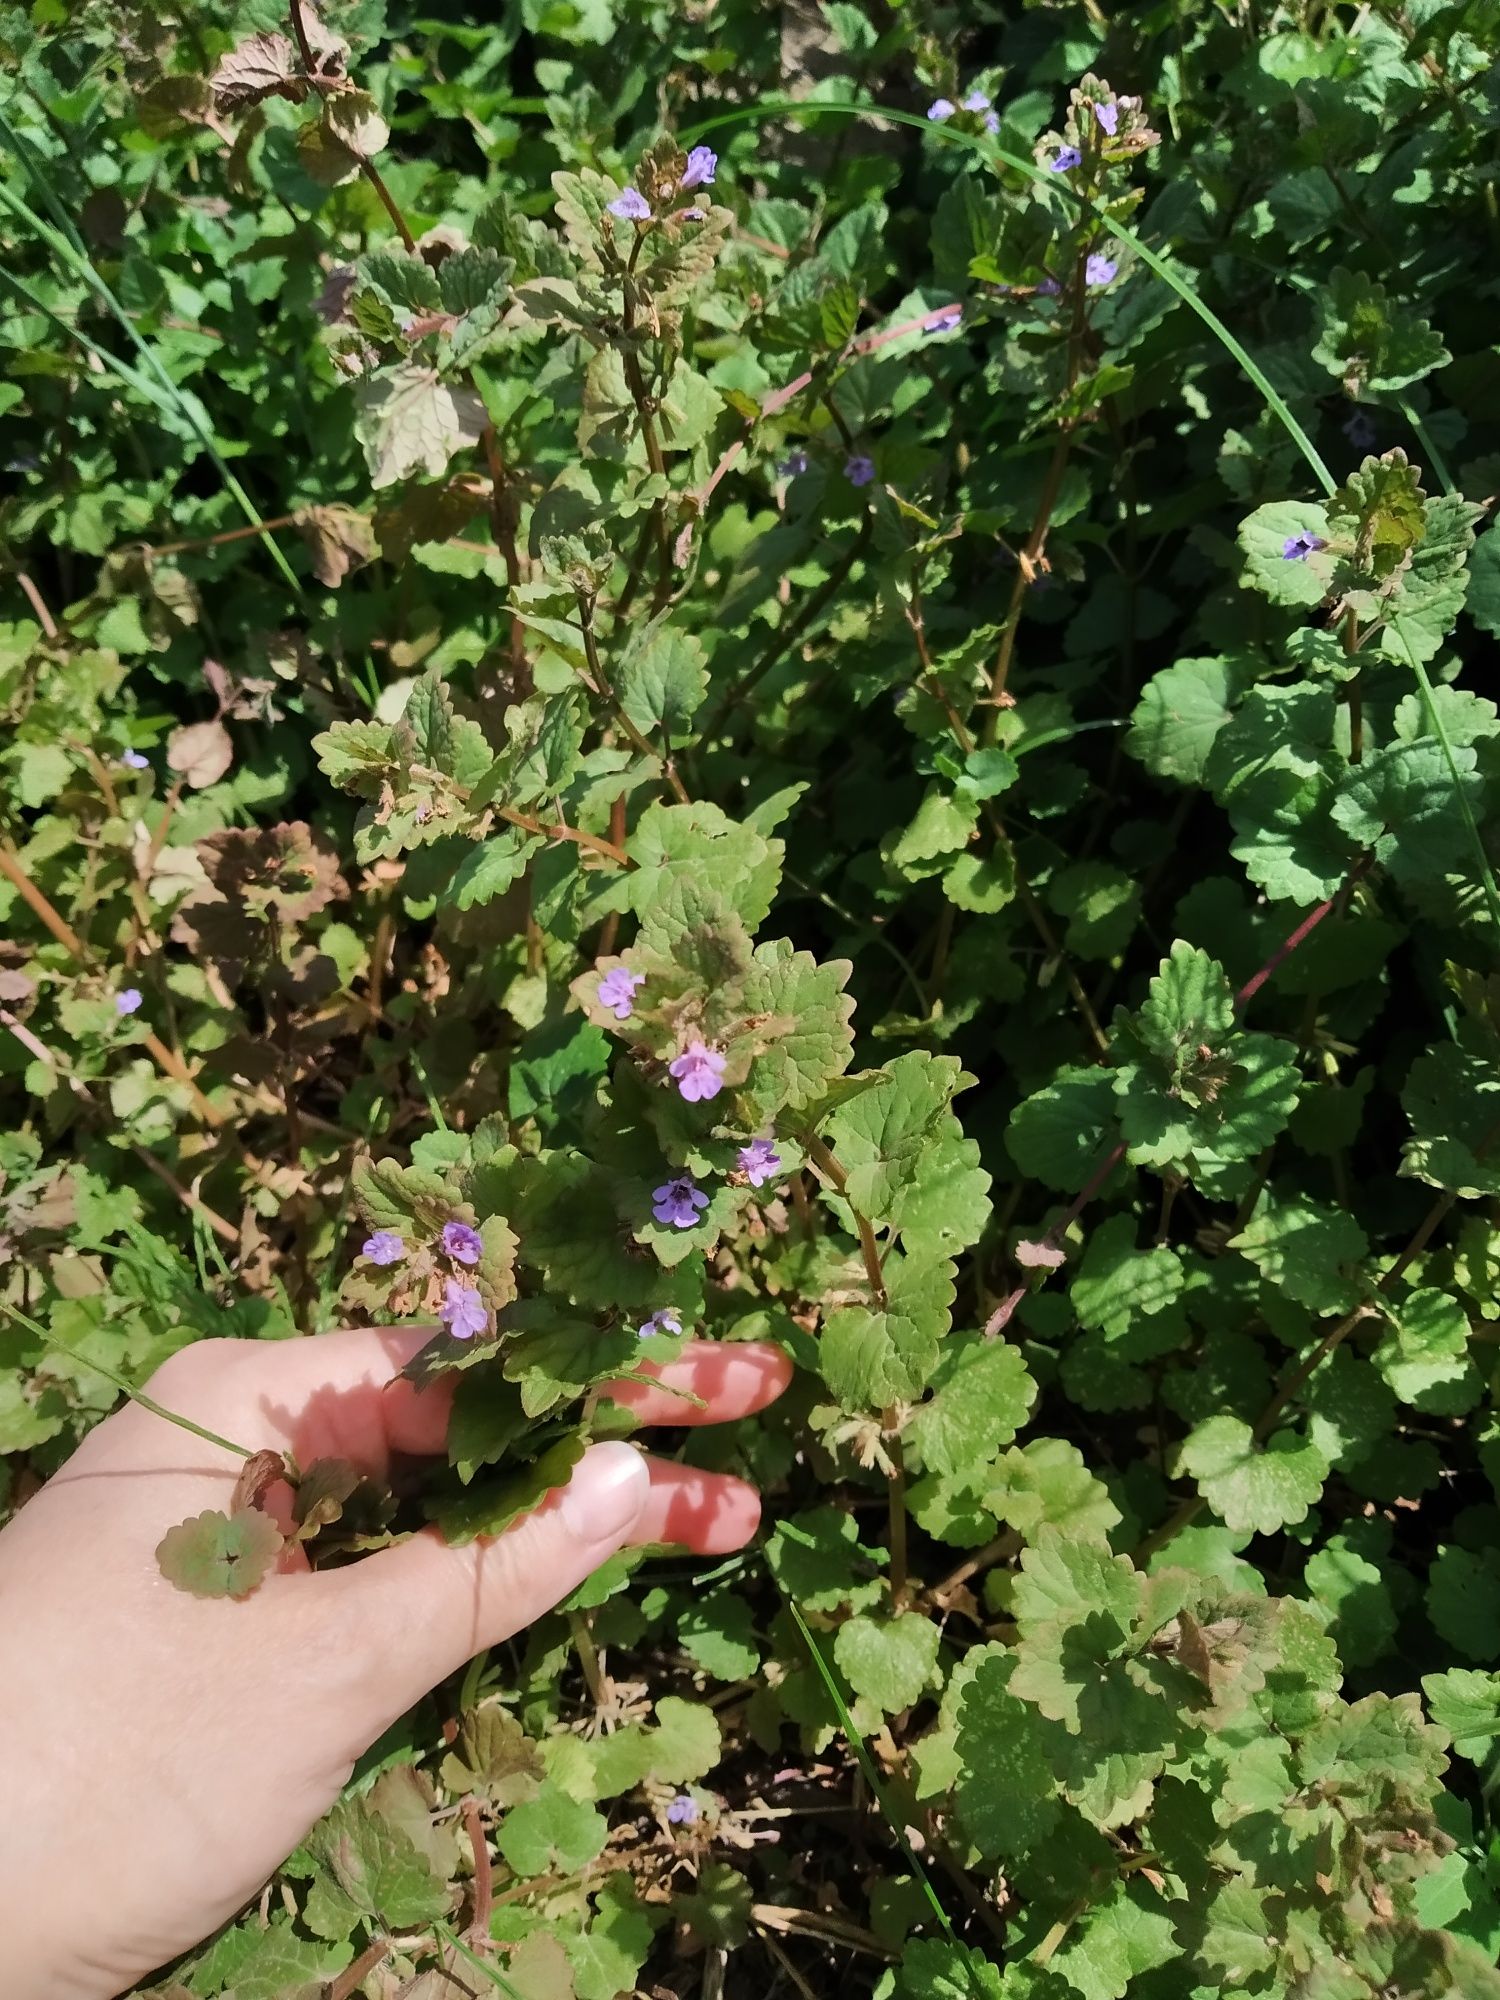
(425, 591)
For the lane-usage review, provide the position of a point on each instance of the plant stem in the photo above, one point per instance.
(136, 1395)
(789, 634)
(602, 682)
(588, 1659)
(504, 520)
(1303, 931)
(645, 407)
(896, 1502)
(484, 1879)
(821, 1156)
(514, 817)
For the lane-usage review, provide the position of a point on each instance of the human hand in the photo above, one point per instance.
(194, 1741)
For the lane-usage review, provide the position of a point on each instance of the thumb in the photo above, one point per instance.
(420, 1610)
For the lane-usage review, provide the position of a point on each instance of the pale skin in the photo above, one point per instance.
(162, 1753)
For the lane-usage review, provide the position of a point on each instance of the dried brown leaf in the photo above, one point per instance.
(265, 65)
(200, 753)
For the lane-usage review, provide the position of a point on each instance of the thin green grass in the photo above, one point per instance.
(64, 245)
(991, 153)
(865, 1760)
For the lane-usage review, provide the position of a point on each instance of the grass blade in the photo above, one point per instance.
(184, 407)
(866, 1763)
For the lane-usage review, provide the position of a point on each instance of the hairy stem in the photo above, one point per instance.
(602, 682)
(821, 1156)
(896, 1504)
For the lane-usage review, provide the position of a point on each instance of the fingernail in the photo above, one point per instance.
(606, 1493)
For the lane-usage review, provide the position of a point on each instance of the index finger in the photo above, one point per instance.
(728, 1379)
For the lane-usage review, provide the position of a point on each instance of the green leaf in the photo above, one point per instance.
(1259, 1487)
(661, 679)
(1484, 584)
(1466, 1703)
(551, 1834)
(1452, 1097)
(873, 1356)
(891, 1138)
(717, 1632)
(1354, 1593)
(981, 1394)
(1301, 581)
(1118, 1285)
(490, 868)
(1127, 1932)
(702, 844)
(1402, 803)
(256, 1961)
(1061, 1133)
(1368, 339)
(495, 1758)
(372, 1866)
(889, 1661)
(413, 1201)
(1007, 1791)
(1424, 1355)
(1190, 1000)
(819, 1562)
(411, 421)
(933, 1970)
(1063, 1582)
(1181, 711)
(1463, 1601)
(1305, 1250)
(1047, 1484)
(220, 1555)
(813, 1042)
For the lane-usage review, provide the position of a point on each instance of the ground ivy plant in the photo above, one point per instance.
(813, 675)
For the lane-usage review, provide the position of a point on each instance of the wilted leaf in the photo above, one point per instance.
(201, 752)
(219, 1555)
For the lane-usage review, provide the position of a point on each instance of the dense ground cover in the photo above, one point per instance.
(866, 732)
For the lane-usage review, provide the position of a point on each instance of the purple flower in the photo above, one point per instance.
(682, 1811)
(127, 999)
(1109, 118)
(1049, 288)
(668, 1320)
(462, 1243)
(1067, 160)
(1360, 430)
(1298, 547)
(976, 101)
(678, 1202)
(617, 991)
(463, 1311)
(632, 206)
(944, 319)
(759, 1161)
(384, 1247)
(794, 463)
(702, 163)
(134, 761)
(992, 122)
(699, 1072)
(1100, 269)
(941, 108)
(859, 470)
